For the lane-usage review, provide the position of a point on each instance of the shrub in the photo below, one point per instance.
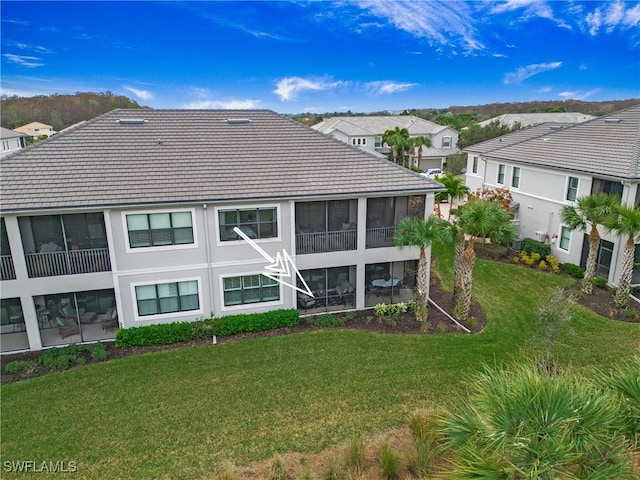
(542, 265)
(326, 320)
(389, 461)
(19, 366)
(554, 263)
(526, 258)
(97, 351)
(574, 270)
(164, 334)
(600, 282)
(59, 358)
(425, 442)
(348, 316)
(531, 246)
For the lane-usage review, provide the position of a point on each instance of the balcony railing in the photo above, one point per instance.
(381, 237)
(6, 268)
(319, 242)
(68, 263)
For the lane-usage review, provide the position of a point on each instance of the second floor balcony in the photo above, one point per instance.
(384, 214)
(64, 244)
(7, 271)
(326, 226)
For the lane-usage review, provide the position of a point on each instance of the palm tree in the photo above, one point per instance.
(478, 220)
(419, 142)
(413, 232)
(523, 423)
(455, 189)
(451, 234)
(625, 223)
(397, 139)
(588, 212)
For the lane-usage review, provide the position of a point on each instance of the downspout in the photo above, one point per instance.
(207, 248)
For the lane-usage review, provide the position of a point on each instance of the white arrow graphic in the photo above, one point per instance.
(281, 268)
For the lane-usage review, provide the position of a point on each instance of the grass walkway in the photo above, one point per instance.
(177, 413)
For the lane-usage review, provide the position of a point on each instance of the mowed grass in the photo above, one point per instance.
(179, 413)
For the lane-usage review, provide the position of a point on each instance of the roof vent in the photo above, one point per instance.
(238, 121)
(612, 120)
(555, 127)
(131, 121)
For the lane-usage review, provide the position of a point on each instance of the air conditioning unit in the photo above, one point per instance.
(516, 245)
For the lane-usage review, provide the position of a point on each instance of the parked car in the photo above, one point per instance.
(432, 173)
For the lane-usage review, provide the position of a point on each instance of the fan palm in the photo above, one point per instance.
(398, 139)
(523, 423)
(478, 220)
(420, 142)
(587, 213)
(625, 223)
(421, 233)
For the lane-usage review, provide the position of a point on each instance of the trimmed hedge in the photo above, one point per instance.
(573, 270)
(167, 333)
(530, 246)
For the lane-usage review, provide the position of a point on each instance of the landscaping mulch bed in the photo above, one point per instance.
(362, 319)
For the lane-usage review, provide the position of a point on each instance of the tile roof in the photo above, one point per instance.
(515, 137)
(528, 119)
(605, 146)
(192, 156)
(377, 125)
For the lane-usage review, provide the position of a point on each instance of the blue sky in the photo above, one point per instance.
(323, 56)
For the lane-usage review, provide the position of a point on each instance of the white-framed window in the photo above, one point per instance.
(446, 142)
(565, 238)
(572, 188)
(364, 141)
(256, 222)
(353, 141)
(248, 289)
(377, 142)
(501, 172)
(163, 299)
(515, 177)
(474, 165)
(159, 229)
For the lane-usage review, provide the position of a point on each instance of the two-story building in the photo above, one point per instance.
(366, 132)
(549, 166)
(129, 220)
(36, 129)
(11, 141)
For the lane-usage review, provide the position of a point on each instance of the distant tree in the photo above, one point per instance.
(476, 134)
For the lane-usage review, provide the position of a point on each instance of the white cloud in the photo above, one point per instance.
(145, 95)
(612, 15)
(499, 55)
(387, 87)
(25, 61)
(529, 71)
(446, 23)
(289, 87)
(544, 90)
(577, 96)
(223, 104)
(528, 10)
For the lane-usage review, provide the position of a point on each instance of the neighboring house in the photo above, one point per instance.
(548, 166)
(529, 119)
(366, 132)
(35, 129)
(11, 141)
(129, 220)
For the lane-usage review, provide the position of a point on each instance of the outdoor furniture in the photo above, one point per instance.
(109, 320)
(67, 326)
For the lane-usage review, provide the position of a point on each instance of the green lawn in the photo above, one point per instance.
(177, 413)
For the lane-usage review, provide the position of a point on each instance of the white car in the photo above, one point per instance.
(432, 173)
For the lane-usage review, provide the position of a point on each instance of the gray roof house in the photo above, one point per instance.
(547, 167)
(366, 132)
(11, 141)
(529, 119)
(133, 217)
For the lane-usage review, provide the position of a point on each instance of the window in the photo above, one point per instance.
(607, 186)
(501, 170)
(167, 298)
(446, 142)
(250, 289)
(353, 141)
(377, 142)
(474, 167)
(515, 178)
(364, 141)
(158, 229)
(254, 223)
(565, 238)
(572, 189)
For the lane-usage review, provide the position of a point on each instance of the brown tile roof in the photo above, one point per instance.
(605, 146)
(189, 156)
